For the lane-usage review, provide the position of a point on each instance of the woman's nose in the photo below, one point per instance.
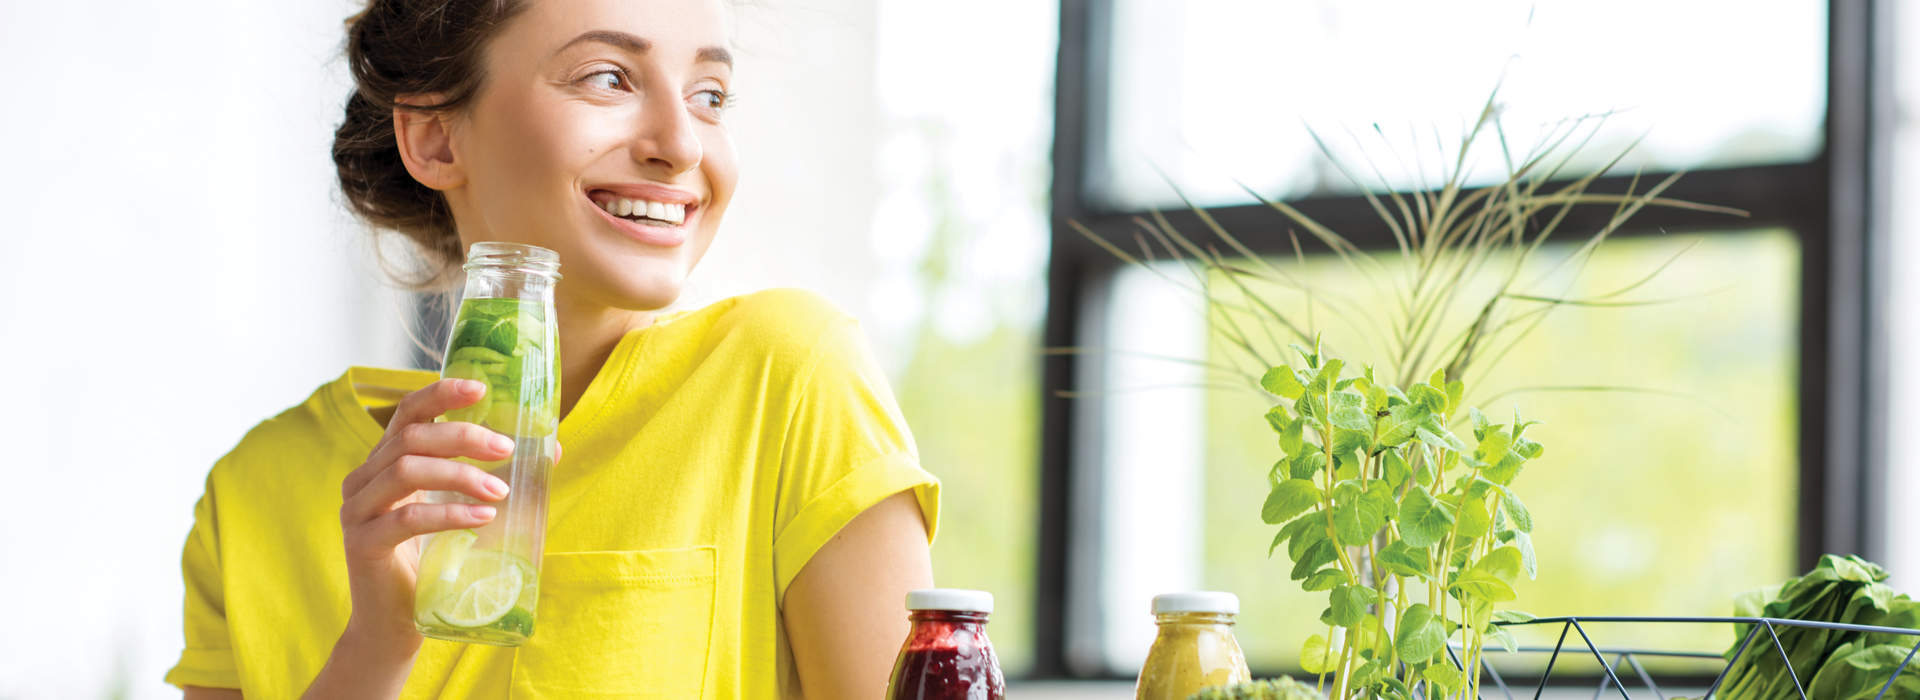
(665, 138)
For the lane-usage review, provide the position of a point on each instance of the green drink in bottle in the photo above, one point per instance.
(482, 585)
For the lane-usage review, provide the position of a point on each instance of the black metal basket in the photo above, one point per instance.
(1631, 657)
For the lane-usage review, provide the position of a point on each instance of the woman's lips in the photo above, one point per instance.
(652, 215)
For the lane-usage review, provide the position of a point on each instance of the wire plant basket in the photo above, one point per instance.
(1624, 659)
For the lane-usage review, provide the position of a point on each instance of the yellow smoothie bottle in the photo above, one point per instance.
(1195, 648)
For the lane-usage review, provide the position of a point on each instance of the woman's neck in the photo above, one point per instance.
(588, 335)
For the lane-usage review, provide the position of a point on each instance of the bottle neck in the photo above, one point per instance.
(955, 617)
(1205, 619)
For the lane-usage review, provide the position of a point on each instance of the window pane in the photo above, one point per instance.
(1662, 502)
(1216, 90)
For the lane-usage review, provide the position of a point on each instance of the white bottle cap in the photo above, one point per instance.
(1197, 601)
(950, 599)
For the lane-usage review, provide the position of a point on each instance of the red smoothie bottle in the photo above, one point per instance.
(947, 655)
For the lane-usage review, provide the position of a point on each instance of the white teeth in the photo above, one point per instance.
(662, 211)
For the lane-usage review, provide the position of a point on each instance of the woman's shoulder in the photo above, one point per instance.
(311, 436)
(781, 323)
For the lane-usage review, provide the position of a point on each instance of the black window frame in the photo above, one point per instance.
(1837, 205)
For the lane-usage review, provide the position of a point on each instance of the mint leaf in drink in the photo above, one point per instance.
(1291, 498)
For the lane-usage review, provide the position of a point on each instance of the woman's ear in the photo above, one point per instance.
(426, 145)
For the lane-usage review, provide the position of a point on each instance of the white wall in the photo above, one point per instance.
(180, 270)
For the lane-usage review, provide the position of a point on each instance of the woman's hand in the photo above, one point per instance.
(380, 515)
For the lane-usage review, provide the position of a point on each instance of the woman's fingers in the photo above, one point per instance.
(377, 538)
(434, 399)
(430, 440)
(444, 440)
(413, 473)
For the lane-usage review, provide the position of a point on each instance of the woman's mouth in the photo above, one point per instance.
(643, 212)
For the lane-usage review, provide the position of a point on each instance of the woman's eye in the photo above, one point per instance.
(606, 80)
(711, 99)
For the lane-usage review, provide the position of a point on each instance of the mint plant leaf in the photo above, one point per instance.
(1480, 423)
(1420, 634)
(1394, 469)
(1401, 559)
(1292, 497)
(1307, 464)
(1400, 423)
(1316, 556)
(1513, 616)
(1483, 586)
(1292, 435)
(1474, 519)
(1278, 418)
(1428, 397)
(1423, 520)
(1313, 530)
(1496, 451)
(1350, 604)
(1326, 580)
(1505, 638)
(1502, 563)
(1317, 657)
(1280, 381)
(1515, 511)
(1328, 376)
(1287, 533)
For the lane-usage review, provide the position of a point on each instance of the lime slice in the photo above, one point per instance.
(482, 589)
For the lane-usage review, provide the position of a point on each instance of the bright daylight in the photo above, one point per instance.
(1010, 349)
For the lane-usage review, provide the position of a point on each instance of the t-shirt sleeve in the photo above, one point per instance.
(208, 660)
(847, 449)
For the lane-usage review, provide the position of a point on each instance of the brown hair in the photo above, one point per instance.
(397, 48)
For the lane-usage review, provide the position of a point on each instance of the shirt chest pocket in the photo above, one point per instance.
(620, 625)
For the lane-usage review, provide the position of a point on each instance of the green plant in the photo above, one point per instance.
(1415, 534)
(1833, 664)
(1282, 688)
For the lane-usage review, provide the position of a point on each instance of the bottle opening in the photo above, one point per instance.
(513, 257)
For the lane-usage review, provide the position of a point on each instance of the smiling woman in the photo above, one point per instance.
(741, 510)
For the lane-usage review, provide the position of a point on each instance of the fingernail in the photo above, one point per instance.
(481, 512)
(496, 487)
(501, 443)
(473, 386)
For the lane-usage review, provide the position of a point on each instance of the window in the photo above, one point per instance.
(1139, 491)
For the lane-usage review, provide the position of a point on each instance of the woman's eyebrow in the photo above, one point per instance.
(715, 54)
(620, 40)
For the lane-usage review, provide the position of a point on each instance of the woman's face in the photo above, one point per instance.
(598, 133)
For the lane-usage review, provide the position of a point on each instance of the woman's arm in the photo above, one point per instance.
(846, 610)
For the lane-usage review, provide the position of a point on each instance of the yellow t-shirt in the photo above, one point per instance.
(715, 452)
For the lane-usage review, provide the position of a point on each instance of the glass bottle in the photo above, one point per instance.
(1195, 648)
(947, 655)
(482, 585)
